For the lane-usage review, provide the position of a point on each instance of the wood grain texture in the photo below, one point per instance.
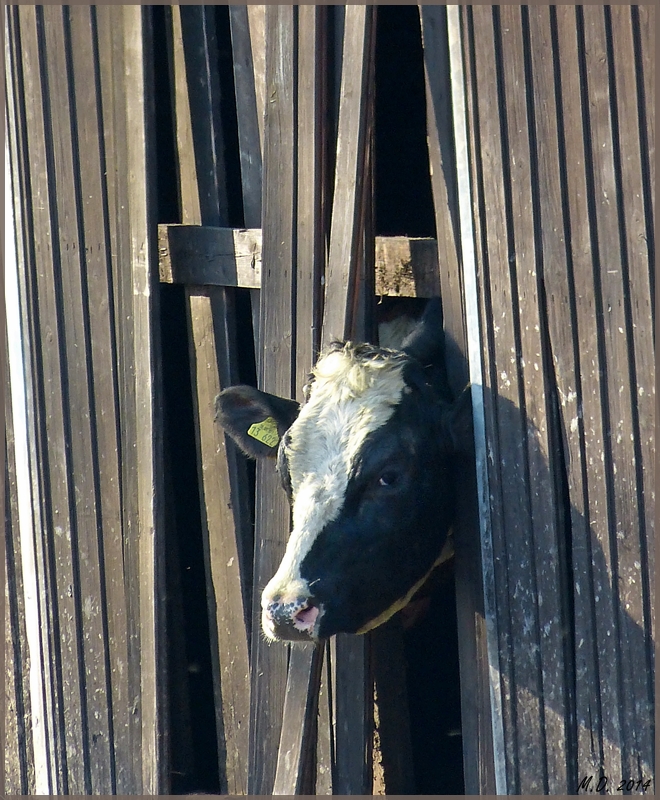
(277, 326)
(202, 255)
(345, 240)
(222, 474)
(148, 400)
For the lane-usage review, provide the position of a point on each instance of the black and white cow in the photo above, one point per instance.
(366, 462)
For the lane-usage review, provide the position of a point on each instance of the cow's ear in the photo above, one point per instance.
(255, 420)
(426, 344)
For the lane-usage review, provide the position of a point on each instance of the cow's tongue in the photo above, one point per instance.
(305, 619)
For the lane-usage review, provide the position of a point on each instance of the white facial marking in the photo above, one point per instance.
(348, 400)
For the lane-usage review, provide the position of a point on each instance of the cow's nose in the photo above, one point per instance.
(290, 619)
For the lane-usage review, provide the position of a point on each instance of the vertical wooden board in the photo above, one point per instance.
(19, 763)
(531, 362)
(592, 555)
(475, 697)
(212, 331)
(247, 51)
(636, 555)
(620, 461)
(506, 434)
(70, 274)
(555, 244)
(349, 170)
(299, 720)
(55, 458)
(622, 407)
(247, 112)
(443, 171)
(112, 96)
(311, 179)
(149, 443)
(225, 518)
(645, 30)
(257, 26)
(277, 328)
(103, 357)
(637, 256)
(48, 767)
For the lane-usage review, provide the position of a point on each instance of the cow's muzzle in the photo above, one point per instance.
(293, 619)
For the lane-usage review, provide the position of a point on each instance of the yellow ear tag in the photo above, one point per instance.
(265, 432)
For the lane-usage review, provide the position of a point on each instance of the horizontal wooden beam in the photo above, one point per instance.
(201, 255)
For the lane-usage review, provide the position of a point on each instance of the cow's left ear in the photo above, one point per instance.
(255, 420)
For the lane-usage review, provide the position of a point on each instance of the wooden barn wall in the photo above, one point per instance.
(560, 110)
(78, 122)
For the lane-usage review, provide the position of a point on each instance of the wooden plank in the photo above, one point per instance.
(205, 255)
(406, 267)
(555, 242)
(57, 489)
(249, 85)
(212, 332)
(551, 611)
(277, 327)
(638, 595)
(470, 195)
(103, 358)
(296, 767)
(644, 30)
(44, 771)
(349, 170)
(225, 519)
(506, 436)
(446, 279)
(140, 196)
(636, 555)
(112, 87)
(299, 720)
(620, 457)
(19, 763)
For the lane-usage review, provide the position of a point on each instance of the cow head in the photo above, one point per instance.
(367, 464)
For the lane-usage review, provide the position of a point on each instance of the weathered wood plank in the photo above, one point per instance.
(471, 203)
(44, 769)
(446, 279)
(406, 267)
(225, 519)
(636, 553)
(71, 778)
(299, 720)
(112, 88)
(103, 358)
(212, 332)
(545, 531)
(269, 664)
(505, 431)
(250, 109)
(345, 239)
(141, 207)
(554, 246)
(202, 255)
(19, 762)
(620, 457)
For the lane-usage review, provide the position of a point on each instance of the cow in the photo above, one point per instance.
(366, 462)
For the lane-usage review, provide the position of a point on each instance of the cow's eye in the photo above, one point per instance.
(388, 478)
